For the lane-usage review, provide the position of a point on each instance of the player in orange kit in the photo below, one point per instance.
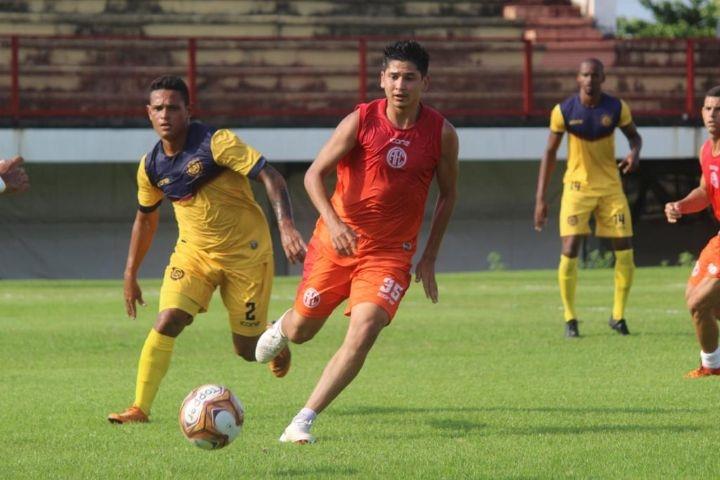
(703, 288)
(386, 154)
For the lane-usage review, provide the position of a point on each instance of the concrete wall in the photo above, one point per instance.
(75, 221)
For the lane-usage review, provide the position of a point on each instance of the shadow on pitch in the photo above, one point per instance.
(316, 472)
(378, 410)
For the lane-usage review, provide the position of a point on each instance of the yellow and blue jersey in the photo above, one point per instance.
(213, 202)
(591, 141)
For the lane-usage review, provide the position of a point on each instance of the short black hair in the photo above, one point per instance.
(713, 92)
(407, 51)
(171, 82)
(593, 61)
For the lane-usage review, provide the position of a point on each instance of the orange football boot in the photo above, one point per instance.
(131, 415)
(702, 371)
(280, 365)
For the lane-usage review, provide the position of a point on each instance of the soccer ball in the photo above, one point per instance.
(211, 417)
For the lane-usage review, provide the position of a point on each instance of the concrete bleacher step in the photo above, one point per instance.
(517, 11)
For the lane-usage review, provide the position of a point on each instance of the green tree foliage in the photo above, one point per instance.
(673, 19)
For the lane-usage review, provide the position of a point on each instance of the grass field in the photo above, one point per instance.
(481, 385)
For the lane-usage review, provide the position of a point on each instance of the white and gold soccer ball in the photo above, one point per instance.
(211, 417)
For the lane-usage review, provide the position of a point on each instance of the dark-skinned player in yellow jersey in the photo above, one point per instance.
(591, 186)
(224, 240)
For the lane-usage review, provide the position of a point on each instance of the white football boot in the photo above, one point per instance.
(298, 432)
(270, 344)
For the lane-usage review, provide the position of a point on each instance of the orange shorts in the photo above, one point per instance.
(708, 265)
(328, 279)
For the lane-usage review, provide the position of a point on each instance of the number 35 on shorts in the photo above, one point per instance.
(391, 290)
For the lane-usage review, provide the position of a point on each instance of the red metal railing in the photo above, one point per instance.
(242, 77)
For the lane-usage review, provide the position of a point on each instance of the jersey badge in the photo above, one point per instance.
(162, 182)
(606, 120)
(714, 179)
(194, 167)
(396, 157)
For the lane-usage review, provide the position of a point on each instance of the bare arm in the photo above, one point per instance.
(547, 166)
(277, 192)
(695, 201)
(632, 161)
(341, 142)
(143, 232)
(13, 175)
(446, 174)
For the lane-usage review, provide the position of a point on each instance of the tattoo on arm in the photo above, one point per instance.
(281, 205)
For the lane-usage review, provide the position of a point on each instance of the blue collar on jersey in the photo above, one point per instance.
(591, 123)
(179, 176)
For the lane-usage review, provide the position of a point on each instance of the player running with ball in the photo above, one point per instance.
(386, 154)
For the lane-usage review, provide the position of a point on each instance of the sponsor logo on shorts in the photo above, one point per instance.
(712, 269)
(575, 186)
(606, 120)
(194, 168)
(407, 246)
(176, 273)
(253, 244)
(311, 298)
(396, 157)
(572, 220)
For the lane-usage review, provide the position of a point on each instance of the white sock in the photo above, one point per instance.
(710, 360)
(277, 324)
(305, 415)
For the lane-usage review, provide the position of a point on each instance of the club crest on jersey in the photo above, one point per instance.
(176, 273)
(194, 167)
(396, 157)
(606, 120)
(311, 298)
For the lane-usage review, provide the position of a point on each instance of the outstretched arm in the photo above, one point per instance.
(143, 232)
(277, 192)
(547, 166)
(447, 172)
(632, 161)
(341, 142)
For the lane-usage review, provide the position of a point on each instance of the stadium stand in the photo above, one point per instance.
(495, 63)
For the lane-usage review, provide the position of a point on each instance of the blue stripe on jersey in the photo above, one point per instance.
(591, 123)
(181, 175)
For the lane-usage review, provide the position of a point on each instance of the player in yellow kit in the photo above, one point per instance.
(592, 186)
(224, 240)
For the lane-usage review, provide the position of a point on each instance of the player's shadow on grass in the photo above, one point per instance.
(317, 472)
(379, 410)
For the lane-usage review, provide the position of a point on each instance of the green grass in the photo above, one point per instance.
(481, 385)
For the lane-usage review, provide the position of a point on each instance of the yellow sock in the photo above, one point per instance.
(567, 278)
(153, 365)
(624, 270)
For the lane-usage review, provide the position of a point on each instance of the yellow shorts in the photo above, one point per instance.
(191, 279)
(611, 211)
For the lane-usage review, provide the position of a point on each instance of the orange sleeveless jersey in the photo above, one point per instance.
(382, 184)
(708, 264)
(711, 173)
